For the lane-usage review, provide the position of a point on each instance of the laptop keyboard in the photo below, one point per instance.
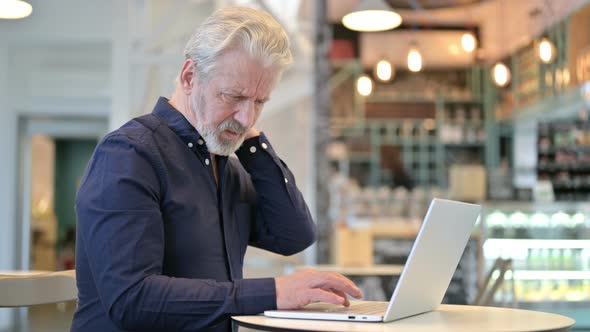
(365, 308)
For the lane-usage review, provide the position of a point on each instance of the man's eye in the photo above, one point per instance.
(232, 98)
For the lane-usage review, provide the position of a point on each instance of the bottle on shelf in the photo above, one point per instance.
(519, 223)
(556, 260)
(539, 225)
(558, 222)
(497, 222)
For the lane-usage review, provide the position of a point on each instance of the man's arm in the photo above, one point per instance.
(284, 225)
(283, 222)
(121, 230)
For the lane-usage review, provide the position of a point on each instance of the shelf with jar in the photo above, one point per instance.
(427, 121)
(461, 123)
(378, 152)
(549, 244)
(526, 68)
(462, 134)
(564, 158)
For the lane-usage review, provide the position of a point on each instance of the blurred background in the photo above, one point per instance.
(482, 101)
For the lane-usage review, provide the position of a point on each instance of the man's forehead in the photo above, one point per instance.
(245, 86)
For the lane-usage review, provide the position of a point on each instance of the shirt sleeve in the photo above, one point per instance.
(283, 222)
(121, 229)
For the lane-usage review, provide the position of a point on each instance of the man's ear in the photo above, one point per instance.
(187, 76)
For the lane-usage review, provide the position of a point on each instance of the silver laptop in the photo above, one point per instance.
(426, 274)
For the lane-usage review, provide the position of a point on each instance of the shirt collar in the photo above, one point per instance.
(181, 127)
(176, 121)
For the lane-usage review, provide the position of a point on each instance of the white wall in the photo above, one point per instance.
(59, 21)
(54, 62)
(8, 135)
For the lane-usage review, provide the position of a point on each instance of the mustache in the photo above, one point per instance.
(232, 125)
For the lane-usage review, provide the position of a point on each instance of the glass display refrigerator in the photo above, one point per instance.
(549, 248)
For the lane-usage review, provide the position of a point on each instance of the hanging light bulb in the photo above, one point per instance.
(468, 42)
(14, 9)
(546, 50)
(501, 74)
(372, 15)
(364, 85)
(384, 71)
(414, 60)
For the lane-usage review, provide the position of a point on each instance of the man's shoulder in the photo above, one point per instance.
(137, 130)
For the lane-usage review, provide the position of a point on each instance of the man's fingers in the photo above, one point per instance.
(346, 303)
(320, 295)
(332, 277)
(337, 282)
(355, 291)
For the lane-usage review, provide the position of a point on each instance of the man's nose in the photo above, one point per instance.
(245, 113)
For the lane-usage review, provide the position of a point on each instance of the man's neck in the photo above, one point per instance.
(180, 102)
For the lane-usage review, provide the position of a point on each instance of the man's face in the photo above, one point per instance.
(230, 102)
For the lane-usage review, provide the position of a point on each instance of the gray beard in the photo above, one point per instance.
(212, 137)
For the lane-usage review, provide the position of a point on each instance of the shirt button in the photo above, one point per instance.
(286, 181)
(190, 144)
(252, 149)
(264, 146)
(207, 161)
(200, 141)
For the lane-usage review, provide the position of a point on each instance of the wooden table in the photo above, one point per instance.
(445, 318)
(25, 288)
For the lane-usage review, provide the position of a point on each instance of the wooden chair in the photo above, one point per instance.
(492, 284)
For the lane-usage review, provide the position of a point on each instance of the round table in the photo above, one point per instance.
(26, 288)
(445, 318)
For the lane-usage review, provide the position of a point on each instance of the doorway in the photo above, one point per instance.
(53, 152)
(48, 148)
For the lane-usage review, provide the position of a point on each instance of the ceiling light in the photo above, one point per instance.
(501, 74)
(468, 42)
(14, 9)
(546, 50)
(414, 60)
(364, 85)
(372, 15)
(384, 71)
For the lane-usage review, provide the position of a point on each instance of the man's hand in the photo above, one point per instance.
(301, 288)
(252, 132)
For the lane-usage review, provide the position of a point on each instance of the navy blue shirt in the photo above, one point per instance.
(160, 245)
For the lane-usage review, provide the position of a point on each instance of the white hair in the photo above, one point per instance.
(254, 31)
